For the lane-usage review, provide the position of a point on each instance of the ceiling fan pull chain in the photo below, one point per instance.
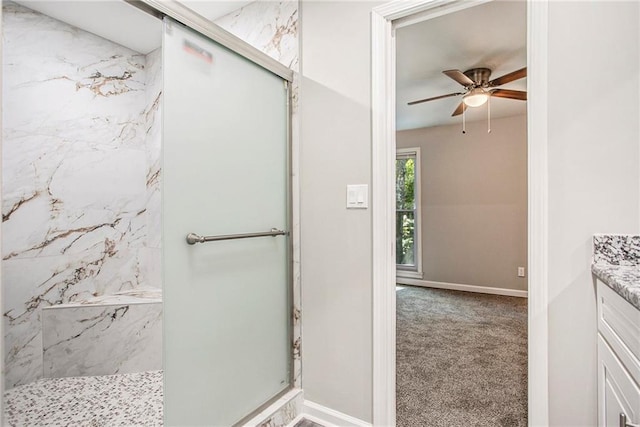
(489, 115)
(464, 129)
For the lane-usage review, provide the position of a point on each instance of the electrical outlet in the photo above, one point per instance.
(520, 271)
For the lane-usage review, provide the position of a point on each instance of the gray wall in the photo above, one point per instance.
(594, 176)
(474, 201)
(336, 242)
(593, 181)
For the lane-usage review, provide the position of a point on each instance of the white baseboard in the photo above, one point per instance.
(329, 417)
(459, 287)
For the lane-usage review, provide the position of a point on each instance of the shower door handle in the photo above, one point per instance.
(193, 238)
(624, 423)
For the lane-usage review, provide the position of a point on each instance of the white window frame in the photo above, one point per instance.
(414, 272)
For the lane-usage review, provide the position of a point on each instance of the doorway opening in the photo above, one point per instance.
(387, 23)
(461, 322)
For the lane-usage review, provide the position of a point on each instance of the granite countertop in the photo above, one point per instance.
(616, 262)
(624, 279)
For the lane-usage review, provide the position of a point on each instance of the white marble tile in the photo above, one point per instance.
(153, 213)
(41, 282)
(73, 150)
(154, 145)
(81, 153)
(271, 26)
(105, 179)
(153, 105)
(102, 339)
(31, 284)
(141, 295)
(151, 260)
(92, 196)
(23, 350)
(61, 81)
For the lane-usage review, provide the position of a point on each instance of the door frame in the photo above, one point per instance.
(384, 20)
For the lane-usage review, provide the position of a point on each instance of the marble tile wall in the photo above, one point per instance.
(272, 27)
(129, 337)
(80, 175)
(152, 255)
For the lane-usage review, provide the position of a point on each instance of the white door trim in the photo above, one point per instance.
(538, 238)
(383, 21)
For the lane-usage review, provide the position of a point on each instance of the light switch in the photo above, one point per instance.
(357, 196)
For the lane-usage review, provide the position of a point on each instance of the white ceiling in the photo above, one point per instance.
(120, 22)
(492, 35)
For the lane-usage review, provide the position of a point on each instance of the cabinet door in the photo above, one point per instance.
(619, 324)
(618, 392)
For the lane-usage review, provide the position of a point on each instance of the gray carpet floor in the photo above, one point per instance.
(461, 359)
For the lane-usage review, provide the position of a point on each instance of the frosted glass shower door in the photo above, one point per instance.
(225, 167)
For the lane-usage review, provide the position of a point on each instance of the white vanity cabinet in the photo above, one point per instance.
(618, 360)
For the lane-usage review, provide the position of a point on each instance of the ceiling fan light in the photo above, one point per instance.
(476, 97)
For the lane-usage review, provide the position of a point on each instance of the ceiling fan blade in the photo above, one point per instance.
(459, 76)
(511, 94)
(461, 108)
(434, 98)
(514, 75)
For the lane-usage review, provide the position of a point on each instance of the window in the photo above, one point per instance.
(408, 247)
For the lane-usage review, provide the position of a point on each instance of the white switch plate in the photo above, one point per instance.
(520, 271)
(358, 196)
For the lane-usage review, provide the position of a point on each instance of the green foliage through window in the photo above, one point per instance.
(405, 210)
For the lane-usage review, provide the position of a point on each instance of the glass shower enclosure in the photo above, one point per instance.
(227, 310)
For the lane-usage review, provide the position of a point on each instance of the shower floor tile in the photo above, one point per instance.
(109, 400)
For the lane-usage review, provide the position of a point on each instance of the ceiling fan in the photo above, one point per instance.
(478, 87)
